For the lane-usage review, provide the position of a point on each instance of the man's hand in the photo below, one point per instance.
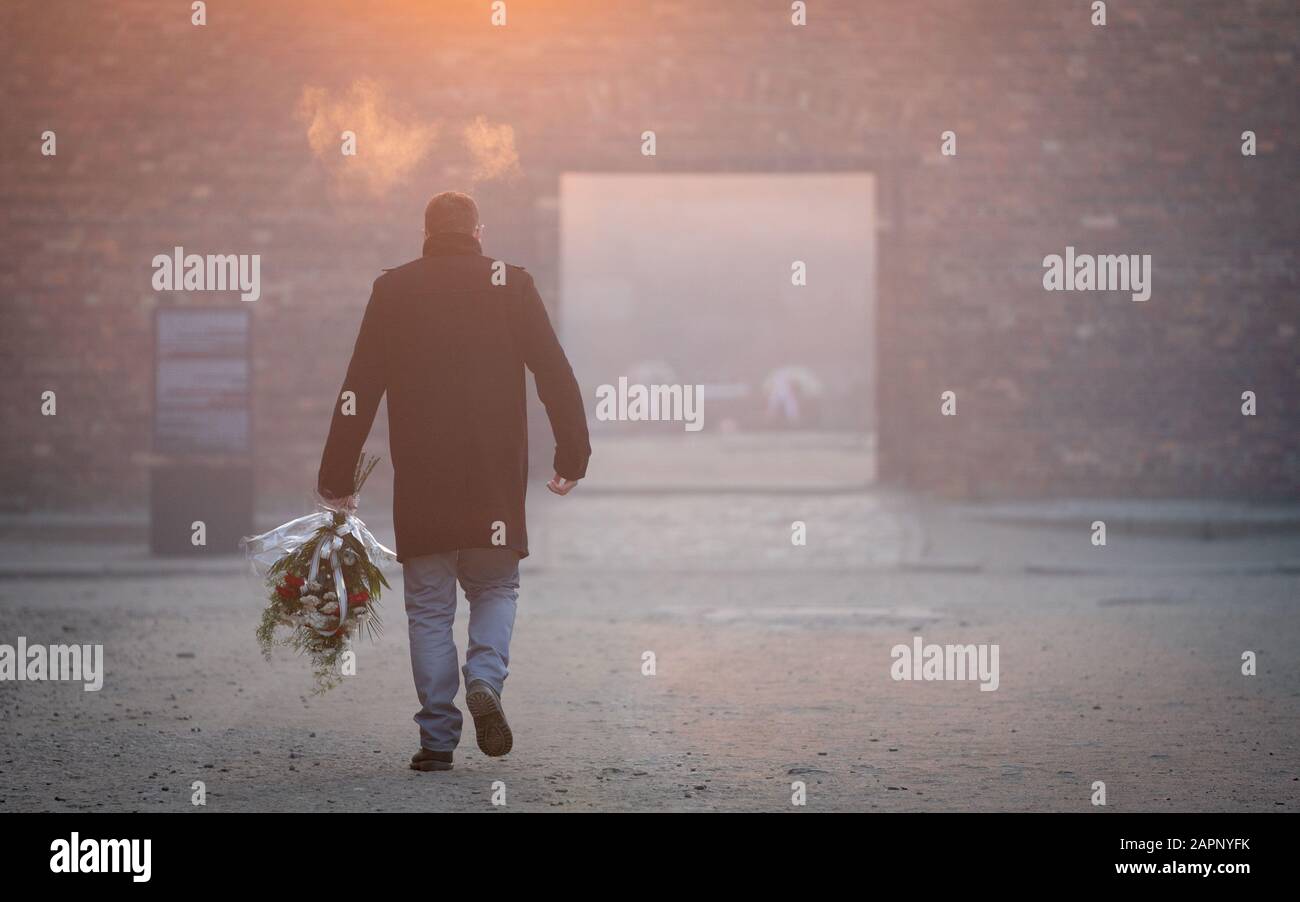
(347, 504)
(561, 486)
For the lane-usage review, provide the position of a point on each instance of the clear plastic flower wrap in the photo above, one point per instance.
(322, 573)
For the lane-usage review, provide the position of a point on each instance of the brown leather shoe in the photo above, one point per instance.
(490, 727)
(425, 759)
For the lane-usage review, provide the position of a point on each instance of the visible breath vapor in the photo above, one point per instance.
(388, 146)
(493, 150)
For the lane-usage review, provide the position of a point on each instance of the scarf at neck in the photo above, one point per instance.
(442, 244)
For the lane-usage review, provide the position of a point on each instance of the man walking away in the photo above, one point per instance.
(447, 337)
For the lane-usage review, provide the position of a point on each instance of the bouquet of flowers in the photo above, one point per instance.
(324, 580)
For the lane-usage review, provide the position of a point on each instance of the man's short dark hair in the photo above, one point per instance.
(451, 211)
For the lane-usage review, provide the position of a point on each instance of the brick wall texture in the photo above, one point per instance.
(1117, 139)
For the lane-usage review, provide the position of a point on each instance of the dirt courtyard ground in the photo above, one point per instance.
(772, 666)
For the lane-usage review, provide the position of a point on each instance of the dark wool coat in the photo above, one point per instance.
(450, 348)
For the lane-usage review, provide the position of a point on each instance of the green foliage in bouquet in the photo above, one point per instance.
(310, 609)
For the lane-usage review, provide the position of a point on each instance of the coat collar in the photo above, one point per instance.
(444, 244)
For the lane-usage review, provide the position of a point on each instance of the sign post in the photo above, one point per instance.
(201, 478)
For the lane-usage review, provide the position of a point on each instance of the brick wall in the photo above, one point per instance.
(1122, 139)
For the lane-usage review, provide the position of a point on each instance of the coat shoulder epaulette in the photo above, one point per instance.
(402, 265)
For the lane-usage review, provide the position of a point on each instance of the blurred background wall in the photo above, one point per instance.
(1115, 139)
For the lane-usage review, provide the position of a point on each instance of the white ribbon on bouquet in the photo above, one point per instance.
(264, 550)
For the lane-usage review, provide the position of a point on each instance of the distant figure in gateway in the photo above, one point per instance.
(447, 336)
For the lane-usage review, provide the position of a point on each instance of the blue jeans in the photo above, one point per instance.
(490, 578)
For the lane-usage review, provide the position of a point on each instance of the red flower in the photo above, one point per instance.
(286, 592)
(359, 598)
(295, 581)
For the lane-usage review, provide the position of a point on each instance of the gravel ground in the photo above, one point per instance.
(772, 667)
